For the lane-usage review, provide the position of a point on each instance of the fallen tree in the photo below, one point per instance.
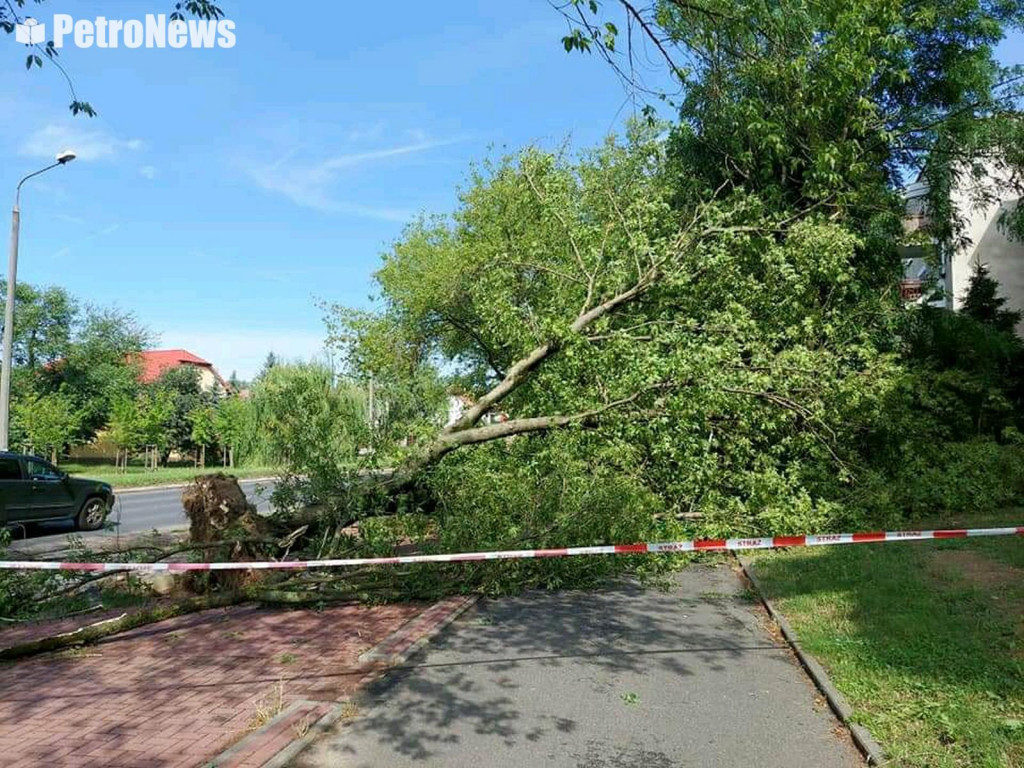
(577, 295)
(719, 307)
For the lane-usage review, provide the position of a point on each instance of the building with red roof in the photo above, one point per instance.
(155, 362)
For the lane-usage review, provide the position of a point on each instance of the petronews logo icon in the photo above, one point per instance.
(154, 31)
(30, 32)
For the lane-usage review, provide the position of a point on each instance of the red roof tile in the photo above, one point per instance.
(156, 361)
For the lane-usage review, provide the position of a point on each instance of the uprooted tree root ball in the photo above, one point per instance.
(218, 511)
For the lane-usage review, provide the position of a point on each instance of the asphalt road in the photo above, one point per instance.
(140, 511)
(622, 678)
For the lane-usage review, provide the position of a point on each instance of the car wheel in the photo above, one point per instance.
(93, 513)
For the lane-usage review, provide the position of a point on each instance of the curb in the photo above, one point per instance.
(400, 645)
(394, 650)
(171, 486)
(285, 757)
(237, 755)
(871, 749)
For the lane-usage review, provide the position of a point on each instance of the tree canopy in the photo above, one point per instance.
(714, 302)
(71, 360)
(44, 323)
(828, 104)
(579, 294)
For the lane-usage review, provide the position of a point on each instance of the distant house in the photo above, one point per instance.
(459, 404)
(155, 362)
(985, 244)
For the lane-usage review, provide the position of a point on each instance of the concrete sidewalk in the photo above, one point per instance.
(624, 677)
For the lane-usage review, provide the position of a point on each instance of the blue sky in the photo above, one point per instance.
(220, 193)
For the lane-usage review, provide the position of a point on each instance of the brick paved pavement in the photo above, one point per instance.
(174, 694)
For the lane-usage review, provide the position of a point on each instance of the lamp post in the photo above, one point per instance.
(63, 158)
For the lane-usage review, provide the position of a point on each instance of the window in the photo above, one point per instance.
(10, 469)
(39, 470)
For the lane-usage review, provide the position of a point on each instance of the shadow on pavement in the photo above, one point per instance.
(584, 678)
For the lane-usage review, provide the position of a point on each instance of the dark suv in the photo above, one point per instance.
(33, 490)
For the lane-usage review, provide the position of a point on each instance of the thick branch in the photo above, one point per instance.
(526, 365)
(122, 623)
(448, 442)
(515, 376)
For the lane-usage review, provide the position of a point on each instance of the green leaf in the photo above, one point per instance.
(83, 108)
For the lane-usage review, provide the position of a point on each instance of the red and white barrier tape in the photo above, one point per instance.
(700, 545)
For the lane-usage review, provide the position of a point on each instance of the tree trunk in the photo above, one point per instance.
(99, 630)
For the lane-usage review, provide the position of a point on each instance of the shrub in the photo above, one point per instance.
(970, 477)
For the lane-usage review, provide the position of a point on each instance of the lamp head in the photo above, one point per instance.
(65, 156)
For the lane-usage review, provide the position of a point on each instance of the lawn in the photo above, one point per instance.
(925, 639)
(140, 476)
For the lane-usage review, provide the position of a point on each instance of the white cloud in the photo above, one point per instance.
(244, 351)
(88, 144)
(310, 184)
(358, 158)
(148, 172)
(67, 250)
(68, 218)
(370, 131)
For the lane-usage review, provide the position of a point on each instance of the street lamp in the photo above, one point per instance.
(63, 158)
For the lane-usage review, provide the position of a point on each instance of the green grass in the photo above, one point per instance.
(924, 639)
(139, 476)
